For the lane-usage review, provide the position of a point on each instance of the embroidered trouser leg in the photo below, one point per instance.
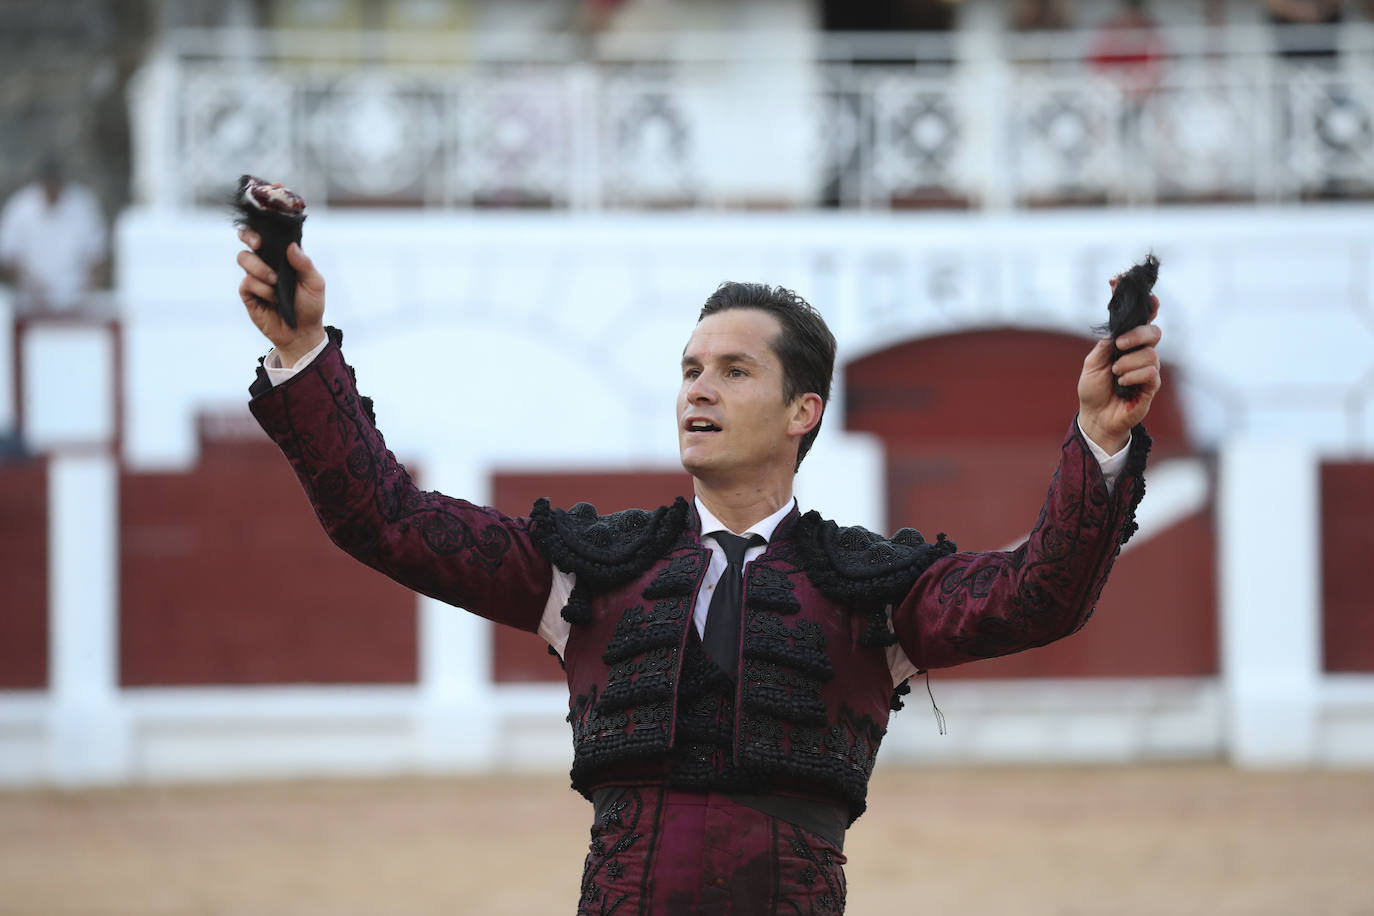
(663, 852)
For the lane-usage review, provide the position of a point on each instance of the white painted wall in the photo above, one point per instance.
(551, 340)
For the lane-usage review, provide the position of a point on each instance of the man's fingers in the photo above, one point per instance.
(1099, 356)
(256, 267)
(1154, 307)
(250, 238)
(1147, 335)
(305, 268)
(1147, 376)
(254, 289)
(1139, 359)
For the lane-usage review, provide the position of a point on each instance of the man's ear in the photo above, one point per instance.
(806, 414)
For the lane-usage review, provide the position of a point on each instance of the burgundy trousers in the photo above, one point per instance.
(664, 852)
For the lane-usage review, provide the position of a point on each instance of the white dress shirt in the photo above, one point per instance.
(53, 245)
(554, 630)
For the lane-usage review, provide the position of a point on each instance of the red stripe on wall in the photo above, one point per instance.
(227, 578)
(1347, 547)
(23, 575)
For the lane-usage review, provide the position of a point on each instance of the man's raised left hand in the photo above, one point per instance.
(1106, 418)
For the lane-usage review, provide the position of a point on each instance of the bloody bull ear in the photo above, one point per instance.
(1130, 308)
(276, 214)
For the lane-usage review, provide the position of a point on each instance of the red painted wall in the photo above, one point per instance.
(995, 386)
(972, 424)
(1347, 532)
(521, 656)
(226, 578)
(23, 575)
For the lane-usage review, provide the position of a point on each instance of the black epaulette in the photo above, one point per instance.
(606, 550)
(854, 565)
(864, 570)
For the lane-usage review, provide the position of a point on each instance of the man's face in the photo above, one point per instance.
(732, 421)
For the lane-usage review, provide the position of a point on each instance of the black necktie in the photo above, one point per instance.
(721, 638)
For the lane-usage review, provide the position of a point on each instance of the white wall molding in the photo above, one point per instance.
(1269, 578)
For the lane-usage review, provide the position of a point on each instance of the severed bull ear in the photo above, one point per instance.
(1129, 308)
(276, 214)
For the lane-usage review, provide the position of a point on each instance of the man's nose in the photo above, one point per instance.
(700, 391)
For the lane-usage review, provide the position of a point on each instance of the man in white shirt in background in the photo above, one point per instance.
(52, 244)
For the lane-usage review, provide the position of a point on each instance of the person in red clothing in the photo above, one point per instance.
(731, 662)
(1129, 51)
(1128, 48)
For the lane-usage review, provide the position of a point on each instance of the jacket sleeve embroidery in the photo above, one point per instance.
(466, 555)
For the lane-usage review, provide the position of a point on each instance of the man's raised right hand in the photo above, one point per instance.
(258, 292)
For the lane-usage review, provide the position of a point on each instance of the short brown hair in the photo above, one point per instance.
(804, 346)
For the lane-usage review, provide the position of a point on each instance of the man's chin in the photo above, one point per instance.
(695, 463)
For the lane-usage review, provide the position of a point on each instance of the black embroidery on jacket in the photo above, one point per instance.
(783, 693)
(770, 589)
(866, 571)
(579, 606)
(701, 756)
(632, 718)
(767, 637)
(397, 500)
(606, 550)
(837, 757)
(679, 577)
(603, 736)
(854, 564)
(642, 630)
(1134, 475)
(1085, 505)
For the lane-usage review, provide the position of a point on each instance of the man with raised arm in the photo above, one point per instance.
(731, 662)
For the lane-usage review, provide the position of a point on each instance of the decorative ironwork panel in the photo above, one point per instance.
(515, 143)
(1067, 137)
(647, 141)
(1327, 115)
(918, 135)
(1203, 134)
(841, 117)
(982, 130)
(233, 121)
(376, 136)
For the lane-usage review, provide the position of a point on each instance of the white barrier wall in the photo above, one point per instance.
(545, 341)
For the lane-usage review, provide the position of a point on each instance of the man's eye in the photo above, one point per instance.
(691, 373)
(737, 372)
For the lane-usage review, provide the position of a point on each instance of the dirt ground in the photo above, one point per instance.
(1062, 841)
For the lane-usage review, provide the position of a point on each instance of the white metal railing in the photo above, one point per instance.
(986, 120)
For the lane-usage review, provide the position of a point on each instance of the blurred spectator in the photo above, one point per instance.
(1040, 15)
(52, 243)
(1295, 42)
(595, 15)
(1129, 49)
(888, 15)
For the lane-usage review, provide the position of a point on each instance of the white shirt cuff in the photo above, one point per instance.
(277, 373)
(1111, 465)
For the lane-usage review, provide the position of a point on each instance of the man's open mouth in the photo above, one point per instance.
(702, 426)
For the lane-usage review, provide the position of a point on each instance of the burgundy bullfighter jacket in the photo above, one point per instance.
(821, 605)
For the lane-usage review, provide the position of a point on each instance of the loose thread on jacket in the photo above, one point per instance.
(939, 716)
